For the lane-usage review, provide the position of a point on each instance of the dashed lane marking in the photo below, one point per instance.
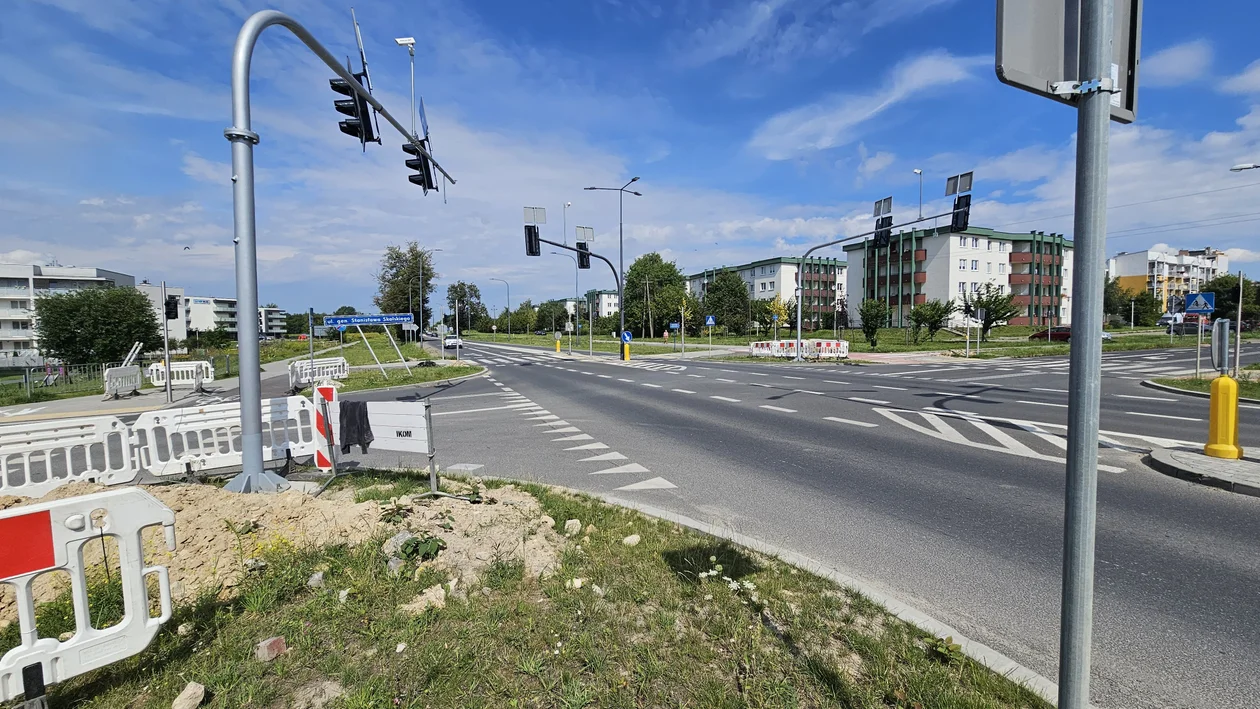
(683, 391)
(725, 398)
(851, 422)
(1042, 403)
(860, 400)
(654, 386)
(880, 386)
(778, 408)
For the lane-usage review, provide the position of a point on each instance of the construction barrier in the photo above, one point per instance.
(303, 373)
(810, 349)
(51, 537)
(183, 374)
(324, 397)
(121, 381)
(39, 456)
(174, 441)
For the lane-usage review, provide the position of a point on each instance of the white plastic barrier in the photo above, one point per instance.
(39, 456)
(172, 440)
(51, 536)
(402, 426)
(303, 373)
(183, 374)
(829, 349)
(122, 380)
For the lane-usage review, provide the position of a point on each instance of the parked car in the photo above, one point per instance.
(540, 332)
(1060, 333)
(1186, 328)
(452, 341)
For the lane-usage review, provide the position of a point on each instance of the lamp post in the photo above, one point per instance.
(919, 172)
(410, 44)
(621, 251)
(509, 305)
(564, 220)
(1245, 166)
(575, 290)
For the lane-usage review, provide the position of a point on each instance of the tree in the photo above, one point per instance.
(218, 338)
(298, 324)
(96, 325)
(552, 315)
(468, 298)
(346, 310)
(998, 306)
(1226, 289)
(1115, 298)
(271, 305)
(1146, 309)
(874, 313)
(651, 284)
(933, 315)
(399, 279)
(777, 312)
(727, 300)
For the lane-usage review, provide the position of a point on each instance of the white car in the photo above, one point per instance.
(452, 341)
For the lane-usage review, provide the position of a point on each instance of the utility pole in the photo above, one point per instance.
(1238, 332)
(310, 337)
(1131, 302)
(166, 344)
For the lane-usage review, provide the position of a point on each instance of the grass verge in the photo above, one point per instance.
(1248, 387)
(680, 619)
(364, 379)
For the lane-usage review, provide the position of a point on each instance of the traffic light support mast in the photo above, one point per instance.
(566, 247)
(841, 241)
(252, 477)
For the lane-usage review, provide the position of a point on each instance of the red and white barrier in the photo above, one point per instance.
(51, 536)
(810, 349)
(325, 401)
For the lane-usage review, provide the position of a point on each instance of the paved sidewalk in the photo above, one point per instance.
(1241, 476)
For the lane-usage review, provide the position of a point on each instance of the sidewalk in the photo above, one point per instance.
(1241, 476)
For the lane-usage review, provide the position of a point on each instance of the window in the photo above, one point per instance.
(1001, 268)
(988, 267)
(763, 270)
(962, 241)
(975, 243)
(763, 285)
(974, 286)
(1001, 246)
(988, 246)
(975, 265)
(771, 285)
(962, 288)
(962, 264)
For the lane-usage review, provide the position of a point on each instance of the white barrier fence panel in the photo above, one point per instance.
(183, 374)
(52, 536)
(120, 381)
(172, 440)
(39, 456)
(402, 426)
(810, 349)
(303, 373)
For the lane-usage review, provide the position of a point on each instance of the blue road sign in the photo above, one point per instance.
(673, 326)
(384, 319)
(774, 318)
(626, 337)
(1200, 303)
(710, 321)
(341, 328)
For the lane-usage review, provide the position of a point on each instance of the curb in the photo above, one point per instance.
(434, 383)
(1172, 469)
(981, 653)
(1201, 395)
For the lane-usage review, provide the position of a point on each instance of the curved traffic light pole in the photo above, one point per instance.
(616, 276)
(800, 291)
(252, 477)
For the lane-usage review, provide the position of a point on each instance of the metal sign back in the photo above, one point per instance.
(1038, 45)
(1220, 346)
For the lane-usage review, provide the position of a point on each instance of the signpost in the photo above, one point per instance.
(341, 322)
(709, 322)
(1087, 59)
(1198, 305)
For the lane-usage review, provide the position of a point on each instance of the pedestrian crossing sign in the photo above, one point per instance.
(710, 321)
(1201, 303)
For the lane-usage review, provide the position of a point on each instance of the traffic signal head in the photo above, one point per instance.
(533, 247)
(962, 213)
(584, 255)
(883, 232)
(359, 123)
(421, 164)
(172, 307)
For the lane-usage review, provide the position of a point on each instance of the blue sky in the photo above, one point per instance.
(758, 129)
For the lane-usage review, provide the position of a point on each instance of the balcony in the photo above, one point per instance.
(1029, 257)
(16, 314)
(15, 293)
(1026, 300)
(1023, 279)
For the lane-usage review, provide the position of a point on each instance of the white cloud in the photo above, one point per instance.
(1246, 82)
(836, 120)
(25, 257)
(1242, 255)
(1177, 65)
(874, 164)
(92, 201)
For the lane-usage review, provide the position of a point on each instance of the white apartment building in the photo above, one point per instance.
(1165, 274)
(22, 284)
(824, 282)
(178, 328)
(271, 322)
(937, 264)
(206, 313)
(604, 302)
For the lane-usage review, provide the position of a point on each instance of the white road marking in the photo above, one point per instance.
(778, 408)
(1056, 391)
(832, 381)
(728, 381)
(758, 374)
(627, 468)
(628, 381)
(758, 384)
(552, 423)
(604, 376)
(725, 398)
(465, 396)
(589, 447)
(1042, 403)
(654, 386)
(807, 391)
(1163, 416)
(880, 386)
(491, 408)
(1146, 398)
(589, 374)
(956, 396)
(606, 456)
(683, 391)
(728, 371)
(653, 484)
(860, 400)
(575, 437)
(851, 422)
(790, 377)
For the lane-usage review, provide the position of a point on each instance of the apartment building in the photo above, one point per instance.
(206, 313)
(271, 322)
(1167, 274)
(177, 328)
(22, 284)
(823, 282)
(604, 302)
(929, 264)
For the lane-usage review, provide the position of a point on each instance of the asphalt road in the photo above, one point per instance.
(942, 487)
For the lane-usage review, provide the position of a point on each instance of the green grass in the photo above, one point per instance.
(1248, 387)
(363, 379)
(660, 636)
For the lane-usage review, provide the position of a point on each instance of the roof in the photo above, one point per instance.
(972, 231)
(793, 260)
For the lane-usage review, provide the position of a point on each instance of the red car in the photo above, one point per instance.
(1060, 333)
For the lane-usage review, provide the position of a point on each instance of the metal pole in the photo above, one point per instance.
(920, 194)
(456, 330)
(621, 268)
(682, 328)
(1198, 347)
(372, 351)
(1238, 339)
(166, 344)
(310, 338)
(1131, 316)
(1084, 374)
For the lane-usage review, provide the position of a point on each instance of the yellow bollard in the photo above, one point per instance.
(1223, 420)
(557, 346)
(625, 354)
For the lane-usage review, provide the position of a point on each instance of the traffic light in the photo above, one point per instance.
(359, 124)
(421, 165)
(532, 246)
(172, 307)
(883, 232)
(583, 254)
(962, 213)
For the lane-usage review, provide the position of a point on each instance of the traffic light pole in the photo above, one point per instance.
(863, 235)
(166, 345)
(252, 477)
(566, 247)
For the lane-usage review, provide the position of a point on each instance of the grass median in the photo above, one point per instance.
(365, 379)
(1248, 384)
(674, 619)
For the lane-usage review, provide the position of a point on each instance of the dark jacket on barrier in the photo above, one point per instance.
(355, 427)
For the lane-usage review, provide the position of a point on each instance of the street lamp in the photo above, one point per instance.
(509, 305)
(919, 172)
(621, 250)
(410, 44)
(564, 218)
(1245, 166)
